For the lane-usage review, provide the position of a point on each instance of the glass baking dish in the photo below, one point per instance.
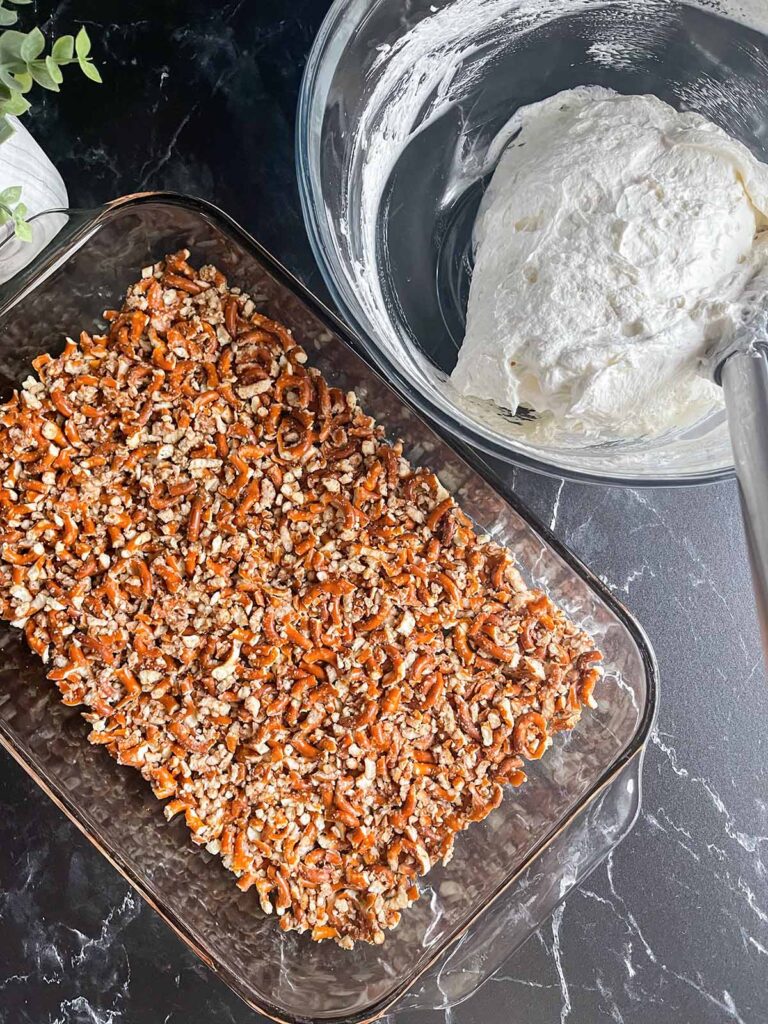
(508, 872)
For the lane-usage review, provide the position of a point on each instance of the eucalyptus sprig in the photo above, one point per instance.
(24, 64)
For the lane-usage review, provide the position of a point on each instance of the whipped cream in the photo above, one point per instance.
(614, 246)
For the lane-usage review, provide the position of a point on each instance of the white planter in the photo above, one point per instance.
(23, 162)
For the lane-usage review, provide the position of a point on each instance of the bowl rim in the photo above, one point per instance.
(339, 24)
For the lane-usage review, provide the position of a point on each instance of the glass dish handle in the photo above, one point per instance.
(53, 234)
(566, 862)
(22, 262)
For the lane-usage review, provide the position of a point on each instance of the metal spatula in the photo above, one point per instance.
(742, 369)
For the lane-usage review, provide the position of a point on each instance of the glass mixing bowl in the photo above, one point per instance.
(400, 105)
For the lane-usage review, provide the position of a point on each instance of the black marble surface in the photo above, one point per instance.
(673, 928)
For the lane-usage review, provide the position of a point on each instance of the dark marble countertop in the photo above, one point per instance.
(673, 927)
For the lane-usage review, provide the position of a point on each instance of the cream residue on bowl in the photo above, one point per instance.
(422, 76)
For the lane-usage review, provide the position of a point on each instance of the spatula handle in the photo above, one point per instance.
(744, 377)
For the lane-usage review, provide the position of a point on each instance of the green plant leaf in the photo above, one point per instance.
(16, 105)
(82, 43)
(90, 71)
(9, 80)
(10, 48)
(20, 211)
(23, 231)
(5, 216)
(7, 17)
(63, 49)
(24, 79)
(10, 196)
(33, 45)
(6, 129)
(54, 70)
(40, 73)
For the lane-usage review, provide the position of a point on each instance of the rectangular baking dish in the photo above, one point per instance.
(509, 871)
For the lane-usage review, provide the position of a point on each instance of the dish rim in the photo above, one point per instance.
(86, 222)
